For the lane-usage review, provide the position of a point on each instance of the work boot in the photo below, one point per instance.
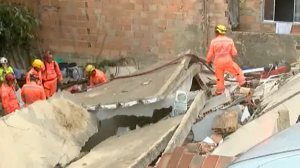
(244, 85)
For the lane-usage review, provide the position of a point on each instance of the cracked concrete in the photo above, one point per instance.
(45, 133)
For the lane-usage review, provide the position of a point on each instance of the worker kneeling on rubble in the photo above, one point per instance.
(223, 48)
(96, 76)
(51, 75)
(37, 67)
(9, 99)
(32, 92)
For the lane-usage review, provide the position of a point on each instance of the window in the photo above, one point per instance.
(282, 10)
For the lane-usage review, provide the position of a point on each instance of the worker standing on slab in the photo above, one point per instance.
(32, 92)
(4, 68)
(96, 76)
(10, 102)
(37, 67)
(223, 48)
(51, 75)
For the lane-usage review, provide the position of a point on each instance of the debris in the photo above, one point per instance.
(122, 130)
(146, 83)
(283, 120)
(201, 148)
(226, 123)
(246, 115)
(180, 103)
(217, 138)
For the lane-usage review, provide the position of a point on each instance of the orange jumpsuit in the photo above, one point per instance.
(10, 102)
(50, 75)
(33, 71)
(98, 78)
(32, 92)
(223, 48)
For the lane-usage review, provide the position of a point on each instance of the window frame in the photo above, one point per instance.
(273, 21)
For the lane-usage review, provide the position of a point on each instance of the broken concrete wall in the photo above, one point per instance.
(45, 133)
(260, 49)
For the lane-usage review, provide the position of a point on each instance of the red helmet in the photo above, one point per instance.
(48, 55)
(9, 77)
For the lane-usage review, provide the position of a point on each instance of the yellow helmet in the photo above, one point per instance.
(89, 68)
(37, 63)
(220, 29)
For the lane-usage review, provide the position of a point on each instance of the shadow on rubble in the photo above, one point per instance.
(109, 127)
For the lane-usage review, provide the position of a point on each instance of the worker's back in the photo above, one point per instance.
(98, 78)
(9, 98)
(31, 92)
(33, 71)
(223, 48)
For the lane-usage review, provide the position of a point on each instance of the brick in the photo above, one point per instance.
(223, 161)
(138, 7)
(197, 162)
(138, 34)
(173, 8)
(126, 27)
(164, 160)
(176, 156)
(210, 161)
(152, 7)
(116, 26)
(186, 160)
(68, 17)
(144, 28)
(135, 27)
(143, 21)
(126, 6)
(67, 42)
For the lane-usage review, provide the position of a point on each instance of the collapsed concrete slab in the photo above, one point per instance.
(136, 149)
(144, 89)
(45, 133)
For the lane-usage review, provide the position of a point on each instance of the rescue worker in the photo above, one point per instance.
(9, 99)
(223, 48)
(37, 67)
(4, 68)
(51, 73)
(95, 76)
(32, 92)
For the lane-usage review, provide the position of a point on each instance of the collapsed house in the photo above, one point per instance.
(162, 130)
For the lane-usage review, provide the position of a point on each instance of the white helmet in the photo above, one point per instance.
(3, 60)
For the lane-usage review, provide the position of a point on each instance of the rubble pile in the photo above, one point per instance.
(173, 119)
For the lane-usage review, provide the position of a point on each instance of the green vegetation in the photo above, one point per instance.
(16, 33)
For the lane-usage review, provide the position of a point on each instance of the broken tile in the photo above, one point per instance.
(217, 138)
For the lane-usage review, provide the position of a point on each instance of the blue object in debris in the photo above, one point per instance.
(19, 72)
